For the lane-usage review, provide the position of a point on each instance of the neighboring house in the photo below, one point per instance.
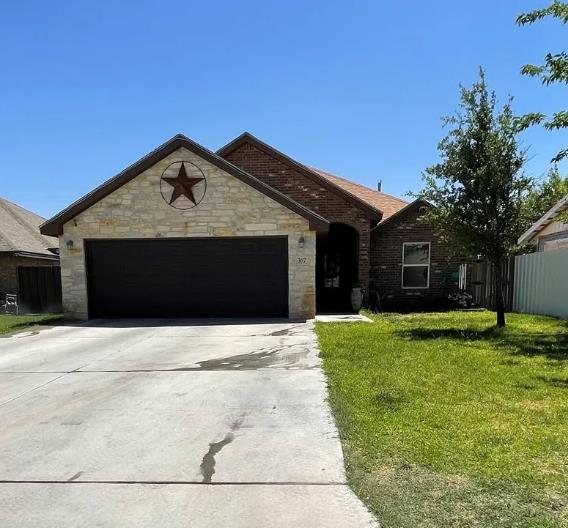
(549, 232)
(29, 261)
(540, 284)
(245, 231)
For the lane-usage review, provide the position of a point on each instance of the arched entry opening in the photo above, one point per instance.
(337, 268)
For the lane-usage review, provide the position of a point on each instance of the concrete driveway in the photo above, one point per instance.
(169, 423)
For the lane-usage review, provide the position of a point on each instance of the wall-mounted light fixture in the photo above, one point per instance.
(69, 244)
(301, 242)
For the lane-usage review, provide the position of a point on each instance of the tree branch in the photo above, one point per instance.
(557, 9)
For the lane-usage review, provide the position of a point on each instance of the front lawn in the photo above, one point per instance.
(449, 422)
(11, 323)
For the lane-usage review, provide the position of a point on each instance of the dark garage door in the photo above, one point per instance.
(215, 277)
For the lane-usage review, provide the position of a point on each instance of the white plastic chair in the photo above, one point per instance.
(11, 304)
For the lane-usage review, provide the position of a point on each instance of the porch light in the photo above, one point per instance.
(69, 244)
(301, 242)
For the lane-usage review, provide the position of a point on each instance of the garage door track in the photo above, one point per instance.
(169, 423)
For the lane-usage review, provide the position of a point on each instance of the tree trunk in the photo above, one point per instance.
(499, 297)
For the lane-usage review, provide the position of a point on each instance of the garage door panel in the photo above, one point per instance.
(232, 277)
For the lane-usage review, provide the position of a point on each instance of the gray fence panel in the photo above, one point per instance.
(541, 283)
(483, 287)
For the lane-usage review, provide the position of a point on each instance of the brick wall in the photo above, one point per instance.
(9, 271)
(229, 208)
(386, 269)
(305, 191)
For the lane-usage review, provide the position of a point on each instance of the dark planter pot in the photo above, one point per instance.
(356, 298)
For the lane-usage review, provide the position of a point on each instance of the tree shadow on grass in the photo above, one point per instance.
(555, 381)
(552, 345)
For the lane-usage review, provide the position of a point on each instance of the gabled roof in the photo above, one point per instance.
(388, 204)
(544, 220)
(246, 137)
(420, 202)
(54, 226)
(19, 232)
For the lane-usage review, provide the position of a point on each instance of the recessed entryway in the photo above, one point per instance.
(336, 268)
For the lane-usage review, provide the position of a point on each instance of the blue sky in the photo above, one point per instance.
(356, 88)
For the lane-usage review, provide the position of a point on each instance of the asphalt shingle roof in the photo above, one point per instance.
(19, 231)
(386, 203)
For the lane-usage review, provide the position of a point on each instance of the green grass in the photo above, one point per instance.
(12, 323)
(447, 421)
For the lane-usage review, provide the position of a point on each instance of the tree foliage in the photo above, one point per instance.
(553, 70)
(544, 195)
(478, 187)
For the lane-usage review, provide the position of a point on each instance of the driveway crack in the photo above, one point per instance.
(207, 466)
(41, 385)
(208, 462)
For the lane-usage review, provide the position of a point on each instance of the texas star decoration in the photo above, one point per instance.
(183, 185)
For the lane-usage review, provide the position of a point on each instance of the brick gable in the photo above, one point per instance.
(290, 181)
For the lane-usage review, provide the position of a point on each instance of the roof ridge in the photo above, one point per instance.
(33, 228)
(550, 216)
(53, 226)
(247, 136)
(3, 235)
(106, 182)
(15, 211)
(402, 211)
(366, 187)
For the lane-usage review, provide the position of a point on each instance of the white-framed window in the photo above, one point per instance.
(416, 265)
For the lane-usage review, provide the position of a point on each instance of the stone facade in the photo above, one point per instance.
(230, 208)
(9, 271)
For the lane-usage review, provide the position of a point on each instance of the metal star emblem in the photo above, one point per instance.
(183, 185)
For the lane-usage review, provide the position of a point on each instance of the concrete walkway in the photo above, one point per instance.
(169, 423)
(343, 318)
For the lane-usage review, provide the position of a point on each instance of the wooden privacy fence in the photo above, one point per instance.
(541, 283)
(39, 289)
(483, 287)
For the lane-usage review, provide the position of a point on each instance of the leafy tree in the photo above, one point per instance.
(544, 195)
(554, 70)
(478, 187)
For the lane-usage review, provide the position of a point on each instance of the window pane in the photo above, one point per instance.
(416, 253)
(415, 276)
